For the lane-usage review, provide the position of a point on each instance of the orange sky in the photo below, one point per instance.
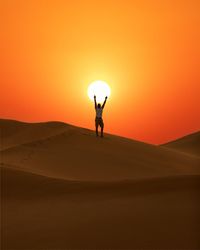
(146, 50)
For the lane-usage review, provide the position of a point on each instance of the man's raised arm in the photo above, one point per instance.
(104, 102)
(95, 102)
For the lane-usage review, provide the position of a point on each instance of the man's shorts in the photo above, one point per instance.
(99, 121)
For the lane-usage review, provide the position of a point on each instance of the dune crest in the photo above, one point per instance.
(189, 144)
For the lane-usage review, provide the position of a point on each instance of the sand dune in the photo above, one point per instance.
(15, 133)
(63, 188)
(188, 144)
(21, 184)
(76, 154)
(44, 213)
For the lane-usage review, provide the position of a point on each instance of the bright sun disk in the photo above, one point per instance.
(99, 88)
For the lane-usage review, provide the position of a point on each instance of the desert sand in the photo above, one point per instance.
(63, 188)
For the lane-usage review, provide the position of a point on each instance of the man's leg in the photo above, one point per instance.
(97, 130)
(96, 126)
(102, 130)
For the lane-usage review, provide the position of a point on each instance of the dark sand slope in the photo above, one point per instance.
(63, 188)
(44, 213)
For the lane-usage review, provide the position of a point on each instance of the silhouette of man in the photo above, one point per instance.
(99, 112)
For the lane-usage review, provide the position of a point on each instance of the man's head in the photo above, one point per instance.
(99, 105)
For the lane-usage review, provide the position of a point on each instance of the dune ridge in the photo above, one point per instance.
(189, 144)
(42, 185)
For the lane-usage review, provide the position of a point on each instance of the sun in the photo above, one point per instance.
(99, 88)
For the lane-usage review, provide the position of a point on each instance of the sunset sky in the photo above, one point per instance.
(147, 51)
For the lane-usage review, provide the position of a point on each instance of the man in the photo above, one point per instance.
(99, 112)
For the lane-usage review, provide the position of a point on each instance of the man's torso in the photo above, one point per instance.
(99, 112)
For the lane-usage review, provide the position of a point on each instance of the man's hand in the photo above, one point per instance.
(104, 102)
